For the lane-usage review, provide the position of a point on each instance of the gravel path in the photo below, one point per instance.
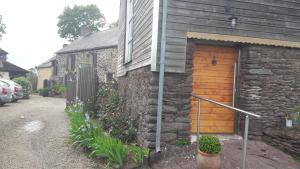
(39, 140)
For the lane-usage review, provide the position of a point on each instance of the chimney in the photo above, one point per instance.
(64, 45)
(85, 30)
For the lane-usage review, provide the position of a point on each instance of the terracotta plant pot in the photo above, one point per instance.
(208, 161)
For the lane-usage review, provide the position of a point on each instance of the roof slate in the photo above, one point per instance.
(102, 39)
(9, 67)
(47, 64)
(2, 51)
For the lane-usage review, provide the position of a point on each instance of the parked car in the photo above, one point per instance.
(17, 90)
(5, 94)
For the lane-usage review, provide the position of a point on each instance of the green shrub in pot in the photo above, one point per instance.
(44, 92)
(208, 156)
(209, 144)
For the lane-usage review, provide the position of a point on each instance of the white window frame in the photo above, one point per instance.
(129, 32)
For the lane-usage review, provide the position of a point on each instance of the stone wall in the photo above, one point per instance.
(106, 61)
(140, 88)
(176, 105)
(286, 139)
(135, 88)
(269, 85)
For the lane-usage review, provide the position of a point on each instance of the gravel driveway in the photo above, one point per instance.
(34, 135)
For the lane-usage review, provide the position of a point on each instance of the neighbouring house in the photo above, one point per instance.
(98, 49)
(9, 70)
(239, 52)
(46, 72)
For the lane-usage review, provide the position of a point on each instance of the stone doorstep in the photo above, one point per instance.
(222, 137)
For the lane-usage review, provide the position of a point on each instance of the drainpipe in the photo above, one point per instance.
(161, 76)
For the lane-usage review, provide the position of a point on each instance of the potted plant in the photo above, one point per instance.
(208, 156)
(288, 120)
(44, 92)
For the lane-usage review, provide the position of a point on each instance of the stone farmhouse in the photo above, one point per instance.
(239, 52)
(98, 49)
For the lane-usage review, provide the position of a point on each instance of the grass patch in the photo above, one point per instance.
(183, 142)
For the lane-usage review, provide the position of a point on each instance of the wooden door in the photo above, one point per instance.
(213, 78)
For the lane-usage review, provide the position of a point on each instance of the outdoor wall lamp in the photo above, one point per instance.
(214, 61)
(233, 21)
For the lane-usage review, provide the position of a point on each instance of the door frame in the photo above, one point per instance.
(238, 46)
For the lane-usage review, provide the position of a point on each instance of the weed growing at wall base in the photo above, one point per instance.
(297, 159)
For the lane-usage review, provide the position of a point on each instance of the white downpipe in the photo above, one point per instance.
(161, 76)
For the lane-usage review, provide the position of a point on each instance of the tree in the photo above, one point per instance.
(2, 27)
(72, 19)
(33, 78)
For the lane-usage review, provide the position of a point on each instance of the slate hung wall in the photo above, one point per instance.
(268, 76)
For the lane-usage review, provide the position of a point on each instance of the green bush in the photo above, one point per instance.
(44, 92)
(84, 132)
(183, 142)
(58, 89)
(26, 85)
(209, 144)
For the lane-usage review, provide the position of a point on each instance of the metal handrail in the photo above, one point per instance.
(227, 106)
(232, 108)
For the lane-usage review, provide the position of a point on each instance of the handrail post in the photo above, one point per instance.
(198, 122)
(245, 141)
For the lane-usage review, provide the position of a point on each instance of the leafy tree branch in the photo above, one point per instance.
(2, 27)
(72, 19)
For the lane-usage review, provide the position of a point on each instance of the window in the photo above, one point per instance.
(109, 77)
(71, 63)
(129, 32)
(94, 59)
(55, 67)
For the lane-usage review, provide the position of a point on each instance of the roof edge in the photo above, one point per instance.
(88, 49)
(243, 39)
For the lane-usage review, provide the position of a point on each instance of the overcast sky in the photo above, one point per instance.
(31, 34)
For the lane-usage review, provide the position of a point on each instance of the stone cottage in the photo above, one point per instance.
(98, 49)
(239, 52)
(9, 70)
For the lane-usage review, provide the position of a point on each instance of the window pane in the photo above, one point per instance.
(129, 52)
(130, 31)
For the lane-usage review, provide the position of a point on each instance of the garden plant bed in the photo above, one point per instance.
(259, 155)
(286, 139)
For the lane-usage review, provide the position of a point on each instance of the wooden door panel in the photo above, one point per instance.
(213, 81)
